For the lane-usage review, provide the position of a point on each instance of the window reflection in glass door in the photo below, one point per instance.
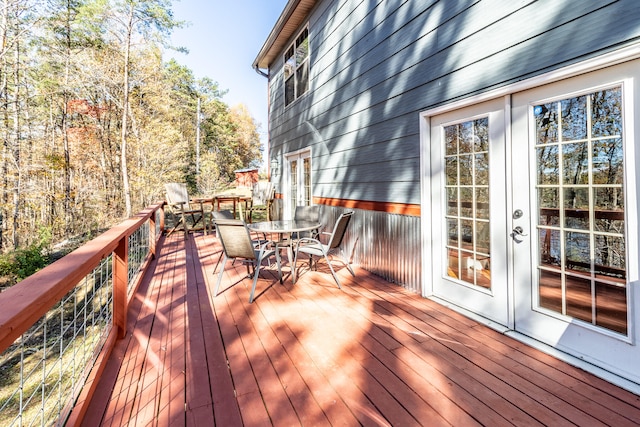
(467, 211)
(580, 196)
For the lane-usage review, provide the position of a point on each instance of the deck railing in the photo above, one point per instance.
(58, 326)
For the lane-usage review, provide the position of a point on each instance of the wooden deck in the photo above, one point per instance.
(310, 354)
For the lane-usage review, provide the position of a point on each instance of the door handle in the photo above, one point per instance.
(518, 231)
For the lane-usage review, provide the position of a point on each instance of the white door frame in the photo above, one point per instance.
(631, 185)
(613, 351)
(298, 155)
(494, 302)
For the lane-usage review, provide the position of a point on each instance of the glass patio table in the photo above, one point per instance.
(284, 227)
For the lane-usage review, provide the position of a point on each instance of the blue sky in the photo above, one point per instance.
(223, 38)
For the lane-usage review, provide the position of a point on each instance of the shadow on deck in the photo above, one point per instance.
(311, 354)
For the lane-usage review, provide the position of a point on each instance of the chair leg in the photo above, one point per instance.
(347, 264)
(200, 218)
(224, 262)
(256, 273)
(293, 268)
(350, 269)
(179, 221)
(332, 271)
(278, 263)
(279, 269)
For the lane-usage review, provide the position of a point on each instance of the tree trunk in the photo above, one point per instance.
(68, 217)
(125, 116)
(5, 146)
(15, 147)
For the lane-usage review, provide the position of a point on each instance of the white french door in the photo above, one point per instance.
(573, 272)
(533, 218)
(297, 189)
(468, 190)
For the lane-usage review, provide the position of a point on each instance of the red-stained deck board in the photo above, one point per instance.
(197, 376)
(132, 347)
(339, 396)
(278, 372)
(129, 385)
(172, 353)
(328, 332)
(224, 403)
(266, 379)
(382, 365)
(553, 391)
(323, 403)
(500, 394)
(308, 353)
(422, 378)
(292, 382)
(417, 394)
(158, 369)
(246, 388)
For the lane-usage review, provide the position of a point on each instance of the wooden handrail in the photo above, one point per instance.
(27, 301)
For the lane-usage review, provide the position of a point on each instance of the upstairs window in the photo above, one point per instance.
(296, 68)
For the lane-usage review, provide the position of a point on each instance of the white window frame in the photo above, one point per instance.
(296, 156)
(296, 67)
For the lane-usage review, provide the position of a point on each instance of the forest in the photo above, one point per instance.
(94, 121)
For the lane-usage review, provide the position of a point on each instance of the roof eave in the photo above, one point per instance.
(293, 15)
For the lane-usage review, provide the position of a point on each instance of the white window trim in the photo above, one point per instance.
(298, 154)
(308, 60)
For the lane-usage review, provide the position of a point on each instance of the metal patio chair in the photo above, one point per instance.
(314, 247)
(237, 245)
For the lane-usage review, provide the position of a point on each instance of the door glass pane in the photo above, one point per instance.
(581, 223)
(467, 214)
(482, 203)
(550, 286)
(548, 166)
(549, 214)
(575, 159)
(307, 181)
(576, 207)
(574, 118)
(549, 244)
(293, 189)
(579, 298)
(607, 296)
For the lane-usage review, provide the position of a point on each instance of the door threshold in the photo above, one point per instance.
(606, 375)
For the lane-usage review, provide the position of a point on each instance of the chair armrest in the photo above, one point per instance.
(177, 204)
(309, 240)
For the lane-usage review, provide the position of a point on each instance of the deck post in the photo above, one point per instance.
(162, 218)
(152, 236)
(120, 279)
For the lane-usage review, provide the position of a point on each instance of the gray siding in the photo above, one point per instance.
(375, 64)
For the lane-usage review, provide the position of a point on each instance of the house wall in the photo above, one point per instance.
(375, 64)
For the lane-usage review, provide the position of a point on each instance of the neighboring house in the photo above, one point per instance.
(488, 148)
